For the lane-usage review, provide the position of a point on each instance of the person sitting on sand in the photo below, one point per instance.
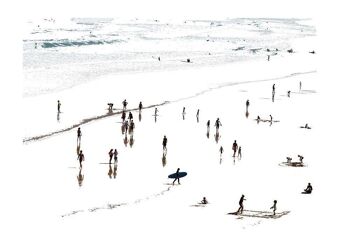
(204, 201)
(274, 207)
(308, 189)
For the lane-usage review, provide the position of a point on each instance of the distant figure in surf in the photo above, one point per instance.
(110, 153)
(234, 148)
(274, 207)
(288, 93)
(79, 134)
(197, 115)
(140, 106)
(240, 209)
(81, 157)
(268, 57)
(300, 86)
(204, 201)
(308, 189)
(258, 119)
(177, 176)
(158, 58)
(208, 125)
(58, 106)
(273, 88)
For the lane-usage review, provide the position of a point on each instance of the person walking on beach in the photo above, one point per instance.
(79, 135)
(221, 150)
(124, 104)
(177, 176)
(156, 112)
(115, 154)
(58, 106)
(132, 126)
(110, 155)
(123, 115)
(274, 207)
(126, 126)
(240, 209)
(270, 118)
(140, 106)
(273, 88)
(183, 110)
(165, 142)
(234, 148)
(208, 125)
(217, 124)
(247, 103)
(308, 189)
(197, 115)
(81, 157)
(239, 155)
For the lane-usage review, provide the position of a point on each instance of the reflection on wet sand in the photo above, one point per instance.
(164, 160)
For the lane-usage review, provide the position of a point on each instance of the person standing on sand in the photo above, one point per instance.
(221, 150)
(130, 116)
(79, 135)
(197, 115)
(165, 142)
(177, 176)
(208, 125)
(217, 124)
(115, 156)
(234, 148)
(81, 157)
(156, 112)
(240, 209)
(247, 103)
(124, 104)
(270, 118)
(110, 155)
(58, 106)
(140, 106)
(274, 207)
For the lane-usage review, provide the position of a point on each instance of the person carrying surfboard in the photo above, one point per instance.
(177, 176)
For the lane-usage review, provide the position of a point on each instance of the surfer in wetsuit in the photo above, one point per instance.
(177, 176)
(240, 209)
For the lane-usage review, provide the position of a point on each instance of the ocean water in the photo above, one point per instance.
(61, 53)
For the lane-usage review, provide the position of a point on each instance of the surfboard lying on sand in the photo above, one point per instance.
(178, 175)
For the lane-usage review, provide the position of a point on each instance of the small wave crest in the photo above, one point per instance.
(68, 43)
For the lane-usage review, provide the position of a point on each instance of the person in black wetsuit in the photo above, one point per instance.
(165, 142)
(240, 209)
(308, 189)
(177, 176)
